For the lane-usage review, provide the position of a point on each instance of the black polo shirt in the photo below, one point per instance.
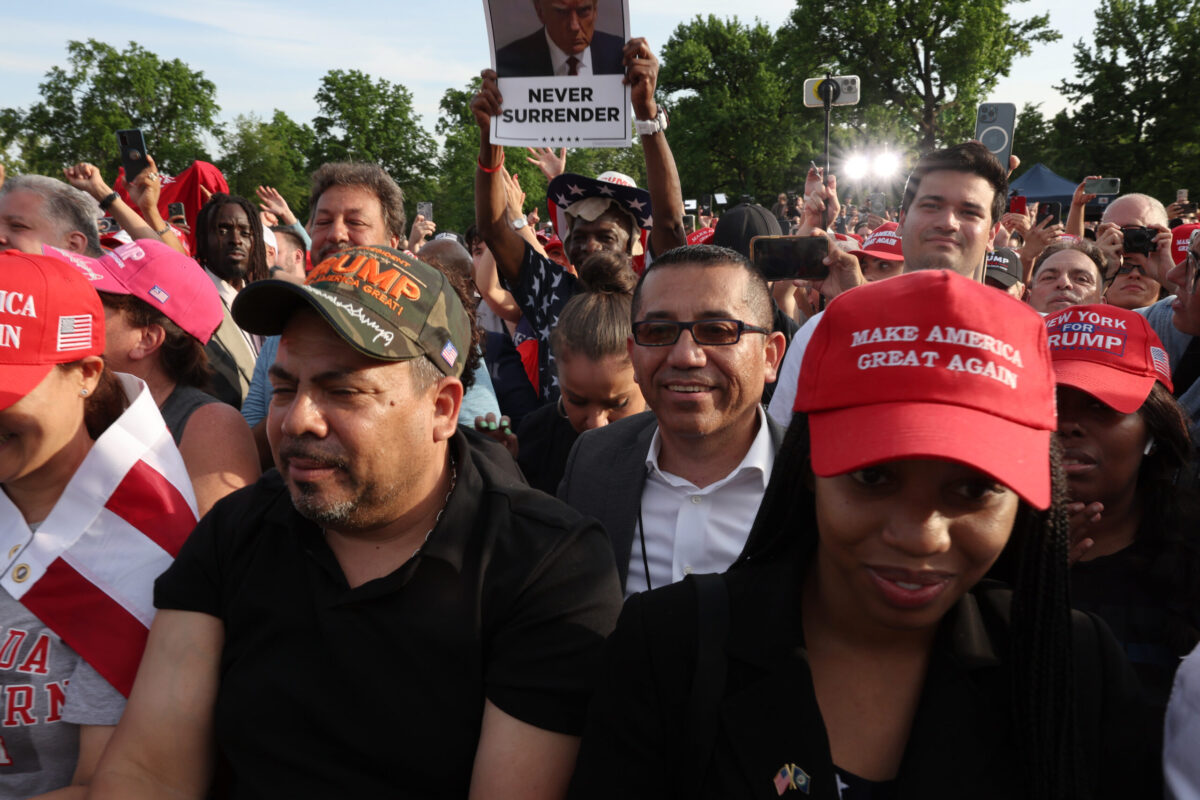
(379, 690)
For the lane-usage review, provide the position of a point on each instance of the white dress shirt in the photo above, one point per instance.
(689, 529)
(559, 58)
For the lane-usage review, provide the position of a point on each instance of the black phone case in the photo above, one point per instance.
(995, 124)
(133, 152)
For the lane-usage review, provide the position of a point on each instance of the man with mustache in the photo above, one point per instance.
(391, 614)
(677, 487)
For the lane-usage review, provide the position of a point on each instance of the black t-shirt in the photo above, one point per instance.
(378, 691)
(1119, 589)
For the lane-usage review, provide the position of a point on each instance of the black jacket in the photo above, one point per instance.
(638, 741)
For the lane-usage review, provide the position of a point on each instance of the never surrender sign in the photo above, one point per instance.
(560, 72)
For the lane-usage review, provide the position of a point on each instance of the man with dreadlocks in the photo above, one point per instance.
(229, 245)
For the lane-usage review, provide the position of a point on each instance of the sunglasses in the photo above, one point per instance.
(719, 332)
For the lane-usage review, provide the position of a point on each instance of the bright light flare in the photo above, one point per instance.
(886, 165)
(857, 166)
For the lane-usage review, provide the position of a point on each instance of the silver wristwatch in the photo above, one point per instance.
(649, 127)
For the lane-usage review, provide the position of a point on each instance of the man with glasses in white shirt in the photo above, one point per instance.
(677, 487)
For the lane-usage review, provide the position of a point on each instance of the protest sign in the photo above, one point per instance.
(560, 72)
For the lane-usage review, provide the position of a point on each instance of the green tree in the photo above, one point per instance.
(731, 127)
(930, 62)
(101, 91)
(1134, 117)
(270, 153)
(362, 119)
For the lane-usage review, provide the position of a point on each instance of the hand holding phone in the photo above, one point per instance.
(791, 257)
(133, 153)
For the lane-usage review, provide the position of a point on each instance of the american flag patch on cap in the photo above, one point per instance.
(74, 332)
(1162, 364)
(158, 294)
(450, 353)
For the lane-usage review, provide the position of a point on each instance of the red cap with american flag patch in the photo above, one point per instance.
(49, 314)
(1110, 353)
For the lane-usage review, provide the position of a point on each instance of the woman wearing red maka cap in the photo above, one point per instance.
(898, 625)
(1126, 452)
(95, 504)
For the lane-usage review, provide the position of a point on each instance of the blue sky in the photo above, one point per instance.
(267, 54)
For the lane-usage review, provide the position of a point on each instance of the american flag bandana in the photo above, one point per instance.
(89, 571)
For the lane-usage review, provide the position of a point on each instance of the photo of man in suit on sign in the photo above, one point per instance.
(566, 44)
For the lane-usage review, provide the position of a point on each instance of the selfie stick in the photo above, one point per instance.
(826, 90)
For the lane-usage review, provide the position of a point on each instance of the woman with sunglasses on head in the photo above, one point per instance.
(1126, 454)
(94, 503)
(861, 647)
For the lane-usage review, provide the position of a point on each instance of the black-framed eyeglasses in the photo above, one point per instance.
(665, 332)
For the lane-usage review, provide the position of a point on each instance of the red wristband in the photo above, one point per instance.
(491, 169)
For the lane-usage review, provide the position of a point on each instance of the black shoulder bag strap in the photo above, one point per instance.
(708, 682)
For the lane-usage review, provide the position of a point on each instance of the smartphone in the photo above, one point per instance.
(877, 203)
(425, 210)
(790, 257)
(1052, 210)
(133, 153)
(689, 223)
(1187, 208)
(107, 225)
(994, 127)
(175, 210)
(1181, 195)
(1018, 204)
(1102, 186)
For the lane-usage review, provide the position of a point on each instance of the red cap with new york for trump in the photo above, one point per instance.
(931, 365)
(1110, 353)
(49, 314)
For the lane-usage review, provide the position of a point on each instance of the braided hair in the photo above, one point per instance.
(1035, 558)
(256, 269)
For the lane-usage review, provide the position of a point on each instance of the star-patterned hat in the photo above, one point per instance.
(569, 195)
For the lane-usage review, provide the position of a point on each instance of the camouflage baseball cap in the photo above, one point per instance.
(385, 304)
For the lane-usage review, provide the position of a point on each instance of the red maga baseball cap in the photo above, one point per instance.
(49, 314)
(1181, 238)
(883, 242)
(160, 276)
(1110, 353)
(931, 365)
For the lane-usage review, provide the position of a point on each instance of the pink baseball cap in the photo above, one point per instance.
(159, 275)
(1181, 237)
(931, 365)
(48, 315)
(883, 242)
(1110, 353)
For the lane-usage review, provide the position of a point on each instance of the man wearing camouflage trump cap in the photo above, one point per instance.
(387, 614)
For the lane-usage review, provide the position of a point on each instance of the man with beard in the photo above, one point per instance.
(389, 614)
(230, 247)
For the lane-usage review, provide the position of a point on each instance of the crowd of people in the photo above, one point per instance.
(348, 506)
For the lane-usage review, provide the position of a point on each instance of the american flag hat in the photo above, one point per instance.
(1111, 353)
(49, 314)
